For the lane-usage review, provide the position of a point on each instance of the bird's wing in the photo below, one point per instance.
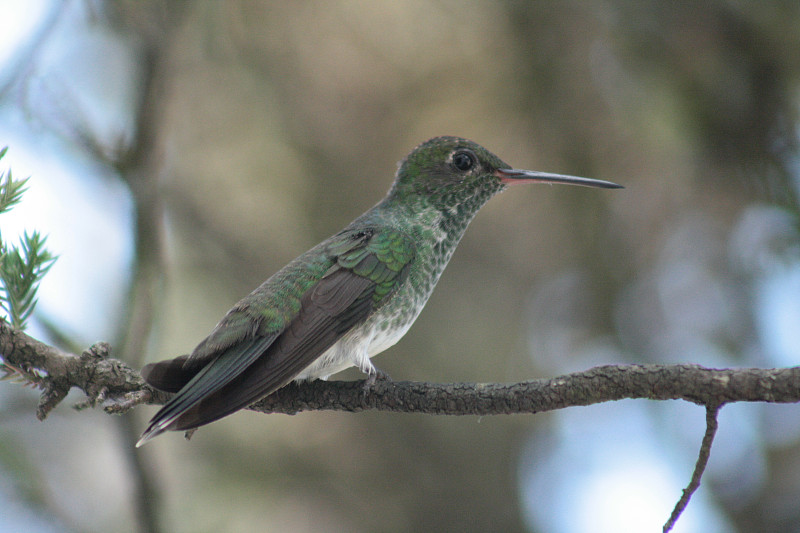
(366, 268)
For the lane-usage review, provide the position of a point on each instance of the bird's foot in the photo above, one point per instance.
(373, 377)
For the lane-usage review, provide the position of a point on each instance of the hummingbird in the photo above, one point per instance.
(346, 299)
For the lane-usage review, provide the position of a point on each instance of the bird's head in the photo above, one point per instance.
(448, 172)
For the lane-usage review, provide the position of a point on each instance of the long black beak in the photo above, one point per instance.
(511, 176)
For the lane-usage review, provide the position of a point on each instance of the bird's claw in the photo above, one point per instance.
(373, 377)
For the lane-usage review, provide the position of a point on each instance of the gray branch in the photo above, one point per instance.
(119, 387)
(694, 383)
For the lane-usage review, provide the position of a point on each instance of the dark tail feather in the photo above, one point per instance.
(195, 384)
(170, 375)
(245, 390)
(230, 398)
(263, 377)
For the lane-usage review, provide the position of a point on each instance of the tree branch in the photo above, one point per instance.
(118, 388)
(688, 382)
(702, 460)
(100, 377)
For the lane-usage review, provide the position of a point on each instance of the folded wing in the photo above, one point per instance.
(251, 364)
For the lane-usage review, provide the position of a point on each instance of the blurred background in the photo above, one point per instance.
(181, 152)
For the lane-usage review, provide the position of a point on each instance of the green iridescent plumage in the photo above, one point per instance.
(345, 300)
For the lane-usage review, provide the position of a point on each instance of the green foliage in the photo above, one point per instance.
(10, 189)
(21, 267)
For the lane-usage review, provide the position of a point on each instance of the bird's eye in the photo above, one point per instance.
(463, 161)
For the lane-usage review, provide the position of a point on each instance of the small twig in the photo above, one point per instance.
(702, 460)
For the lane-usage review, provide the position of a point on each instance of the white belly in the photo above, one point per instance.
(354, 349)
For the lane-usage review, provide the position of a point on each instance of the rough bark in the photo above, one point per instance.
(119, 387)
